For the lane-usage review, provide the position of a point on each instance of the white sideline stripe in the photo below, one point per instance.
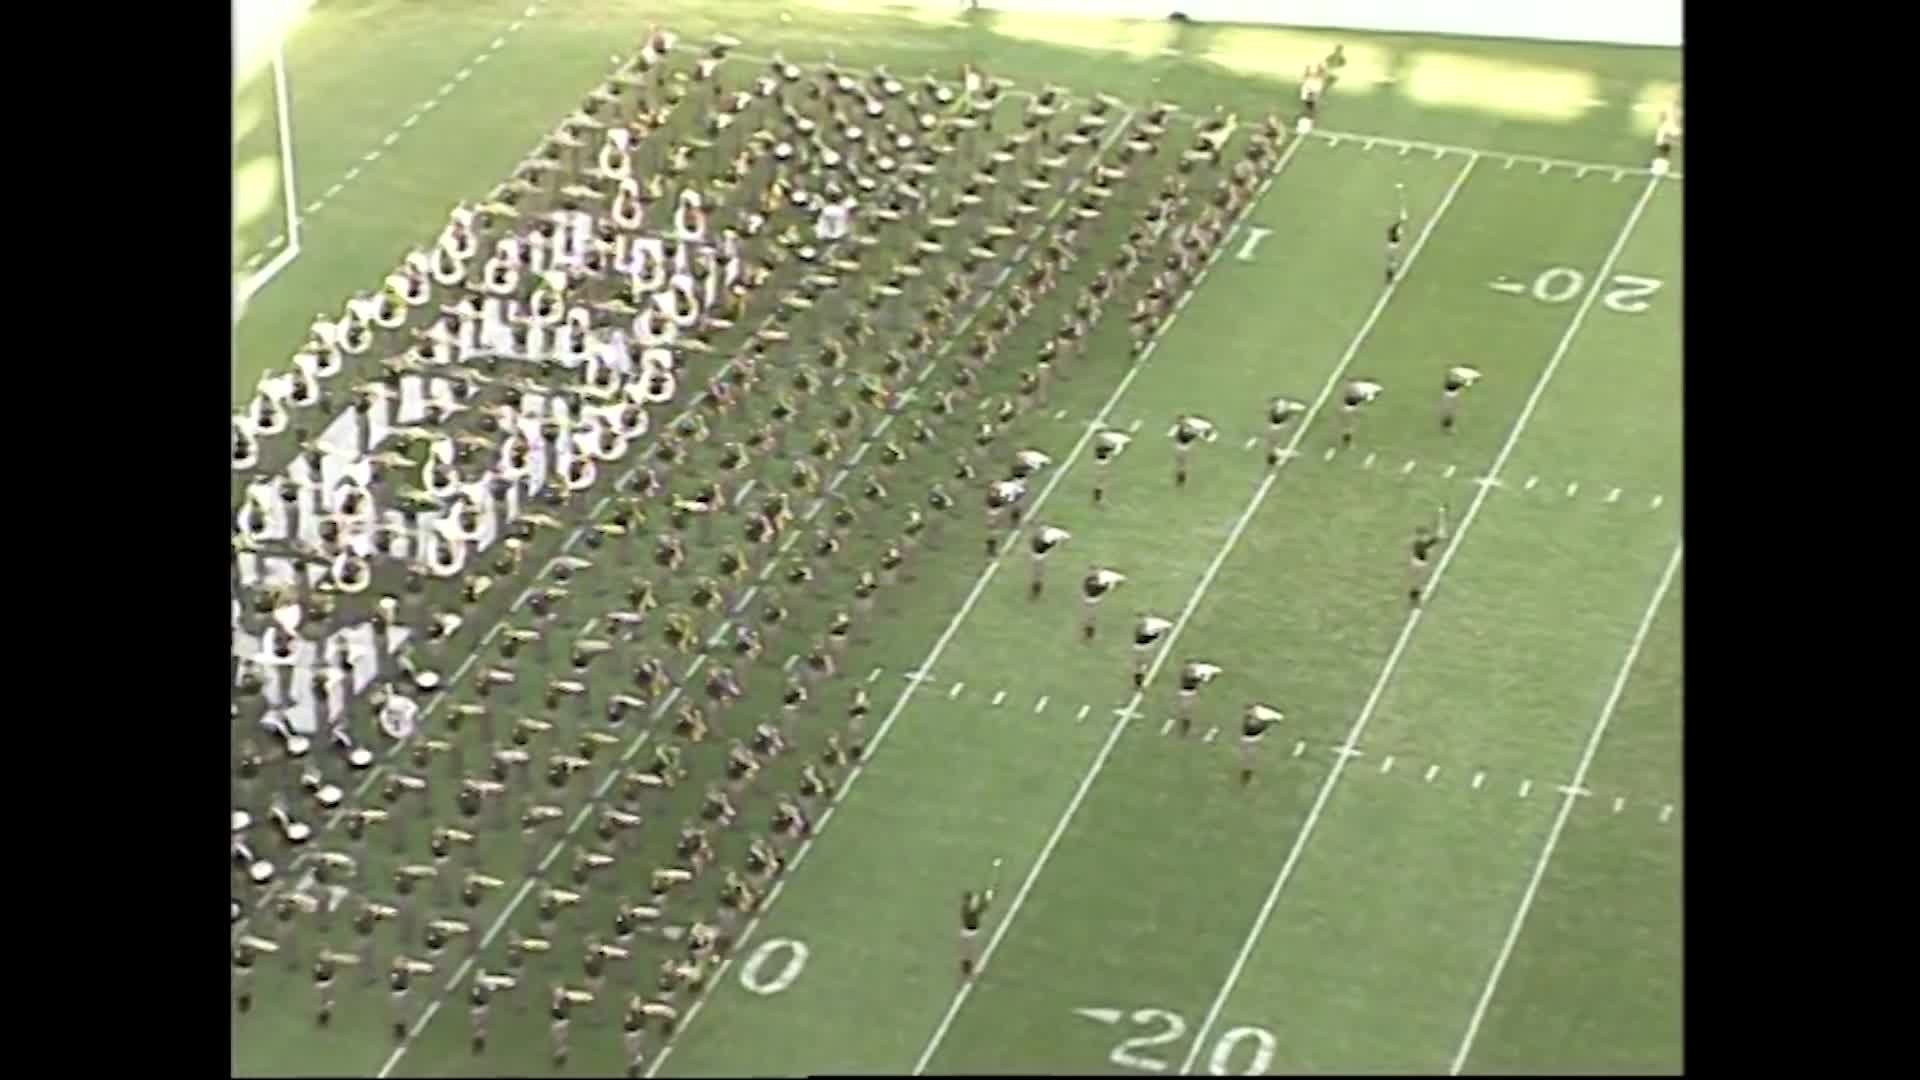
(939, 646)
(1193, 602)
(1566, 810)
(1413, 621)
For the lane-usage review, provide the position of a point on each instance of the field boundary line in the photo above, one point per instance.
(1412, 623)
(1193, 603)
(1566, 808)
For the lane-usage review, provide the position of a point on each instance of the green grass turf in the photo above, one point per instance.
(1379, 948)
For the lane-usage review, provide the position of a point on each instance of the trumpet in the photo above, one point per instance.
(482, 881)
(493, 982)
(450, 927)
(382, 911)
(417, 872)
(534, 945)
(413, 967)
(562, 897)
(612, 952)
(328, 956)
(337, 860)
(258, 944)
(542, 812)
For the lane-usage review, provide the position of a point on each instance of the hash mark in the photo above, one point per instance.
(1531, 481)
(1526, 786)
(1448, 474)
(1407, 468)
(332, 191)
(482, 58)
(371, 155)
(276, 242)
(497, 42)
(999, 697)
(1568, 789)
(955, 692)
(1041, 705)
(1618, 175)
(445, 89)
(515, 26)
(1405, 149)
(1613, 496)
(1368, 145)
(1572, 488)
(392, 137)
(1367, 464)
(1211, 732)
(463, 74)
(1329, 455)
(1438, 153)
(1333, 140)
(1135, 426)
(873, 675)
(1061, 415)
(1657, 500)
(1252, 441)
(1432, 771)
(1581, 173)
(314, 206)
(1387, 765)
(353, 172)
(1166, 727)
(1544, 166)
(1299, 748)
(791, 660)
(1082, 714)
(1619, 803)
(1478, 779)
(1666, 813)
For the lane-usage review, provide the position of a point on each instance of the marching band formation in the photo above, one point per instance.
(669, 406)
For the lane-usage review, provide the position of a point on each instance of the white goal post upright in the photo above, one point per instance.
(290, 250)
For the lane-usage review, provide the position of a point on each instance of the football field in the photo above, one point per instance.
(1460, 850)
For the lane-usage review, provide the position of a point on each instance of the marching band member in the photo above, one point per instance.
(1099, 582)
(1107, 445)
(1663, 139)
(1147, 633)
(1358, 393)
(1253, 727)
(1186, 431)
(1045, 540)
(1194, 674)
(1458, 380)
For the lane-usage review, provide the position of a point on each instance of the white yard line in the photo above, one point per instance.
(1413, 621)
(1566, 810)
(1193, 602)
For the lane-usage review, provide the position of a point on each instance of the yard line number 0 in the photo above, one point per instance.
(1626, 293)
(754, 975)
(1229, 1051)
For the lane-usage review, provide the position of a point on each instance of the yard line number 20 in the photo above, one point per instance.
(1626, 293)
(1249, 1048)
